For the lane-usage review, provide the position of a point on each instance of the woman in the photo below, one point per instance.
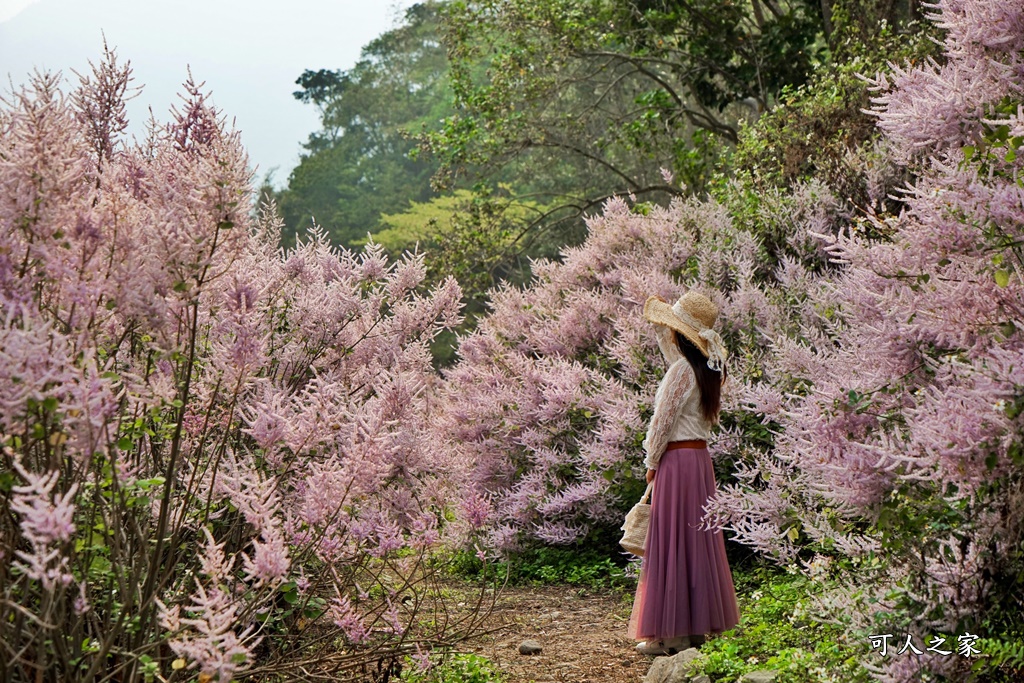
(686, 587)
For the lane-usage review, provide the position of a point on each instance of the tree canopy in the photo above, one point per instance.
(358, 165)
(587, 99)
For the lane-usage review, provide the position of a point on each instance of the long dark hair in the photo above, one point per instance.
(708, 381)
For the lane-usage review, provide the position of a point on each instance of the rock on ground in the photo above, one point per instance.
(674, 669)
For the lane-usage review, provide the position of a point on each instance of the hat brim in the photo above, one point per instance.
(661, 313)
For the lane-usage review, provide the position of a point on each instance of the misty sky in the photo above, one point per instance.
(249, 53)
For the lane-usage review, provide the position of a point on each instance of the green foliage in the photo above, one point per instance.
(1001, 661)
(808, 131)
(358, 166)
(698, 160)
(459, 668)
(735, 50)
(477, 237)
(776, 632)
(547, 108)
(419, 223)
(574, 101)
(916, 523)
(471, 235)
(1002, 630)
(818, 124)
(558, 566)
(857, 24)
(995, 149)
(582, 565)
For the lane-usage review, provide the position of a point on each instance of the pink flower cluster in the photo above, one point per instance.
(547, 396)
(208, 638)
(46, 523)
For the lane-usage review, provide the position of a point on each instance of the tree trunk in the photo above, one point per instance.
(758, 14)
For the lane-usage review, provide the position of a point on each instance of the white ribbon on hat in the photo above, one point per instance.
(716, 348)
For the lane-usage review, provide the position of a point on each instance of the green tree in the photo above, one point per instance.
(531, 113)
(471, 235)
(358, 165)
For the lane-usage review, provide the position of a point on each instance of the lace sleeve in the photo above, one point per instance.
(667, 343)
(667, 403)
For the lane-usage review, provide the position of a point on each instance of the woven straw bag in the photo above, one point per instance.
(635, 526)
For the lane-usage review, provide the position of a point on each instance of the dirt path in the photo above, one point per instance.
(583, 635)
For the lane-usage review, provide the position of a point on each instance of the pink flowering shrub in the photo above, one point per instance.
(541, 406)
(548, 405)
(206, 440)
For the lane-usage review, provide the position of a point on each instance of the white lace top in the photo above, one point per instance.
(677, 411)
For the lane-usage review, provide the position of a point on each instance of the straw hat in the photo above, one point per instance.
(693, 316)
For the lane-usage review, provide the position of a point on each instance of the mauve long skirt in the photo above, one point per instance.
(685, 583)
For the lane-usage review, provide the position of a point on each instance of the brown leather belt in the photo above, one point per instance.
(698, 443)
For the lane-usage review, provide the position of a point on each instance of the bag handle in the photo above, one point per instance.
(647, 494)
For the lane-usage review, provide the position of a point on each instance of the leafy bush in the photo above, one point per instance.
(821, 129)
(459, 668)
(551, 565)
(776, 632)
